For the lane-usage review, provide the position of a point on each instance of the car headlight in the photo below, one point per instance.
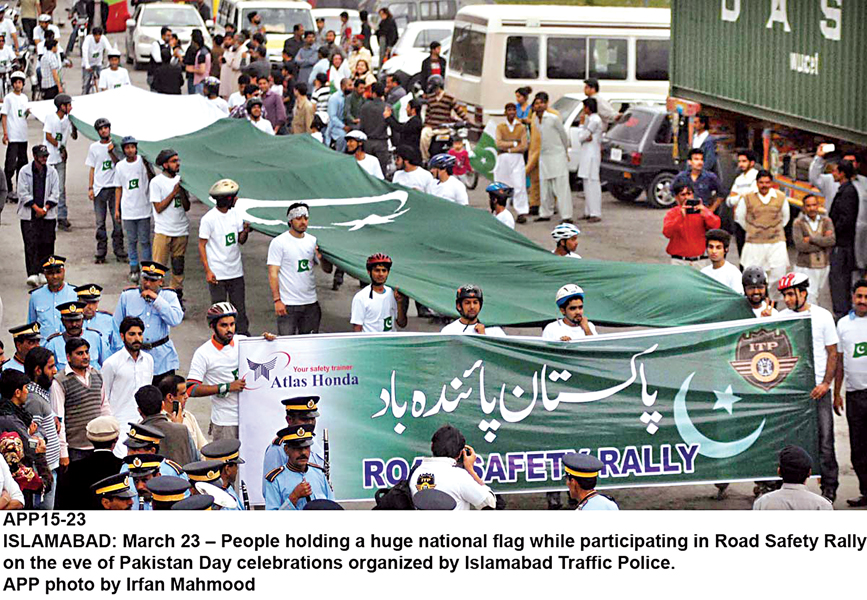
(145, 39)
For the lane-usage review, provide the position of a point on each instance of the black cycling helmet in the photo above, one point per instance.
(469, 291)
(61, 99)
(101, 122)
(253, 102)
(164, 156)
(754, 276)
(434, 83)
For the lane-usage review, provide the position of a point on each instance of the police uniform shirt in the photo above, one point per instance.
(159, 316)
(104, 323)
(43, 308)
(98, 350)
(278, 486)
(167, 468)
(231, 491)
(599, 502)
(445, 475)
(13, 364)
(275, 456)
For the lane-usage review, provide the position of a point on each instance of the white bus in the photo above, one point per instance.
(499, 48)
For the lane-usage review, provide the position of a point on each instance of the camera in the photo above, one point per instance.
(33, 443)
(691, 206)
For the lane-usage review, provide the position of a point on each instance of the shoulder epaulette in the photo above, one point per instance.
(275, 441)
(52, 336)
(128, 288)
(272, 475)
(96, 331)
(174, 465)
(36, 288)
(105, 312)
(315, 466)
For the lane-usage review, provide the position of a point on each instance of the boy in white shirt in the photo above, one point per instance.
(14, 119)
(255, 116)
(719, 268)
(292, 256)
(755, 284)
(171, 224)
(744, 184)
(132, 206)
(7, 54)
(377, 307)
(56, 133)
(468, 302)
(93, 51)
(498, 196)
(409, 173)
(222, 232)
(101, 160)
(444, 185)
(573, 325)
(355, 145)
(115, 76)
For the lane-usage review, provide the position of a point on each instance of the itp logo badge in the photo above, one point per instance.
(764, 358)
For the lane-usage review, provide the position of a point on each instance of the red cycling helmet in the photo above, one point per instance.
(378, 259)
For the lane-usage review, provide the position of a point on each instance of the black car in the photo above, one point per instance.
(638, 156)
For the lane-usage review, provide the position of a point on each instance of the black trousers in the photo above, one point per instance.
(840, 280)
(16, 157)
(235, 292)
(38, 236)
(856, 416)
(379, 149)
(300, 320)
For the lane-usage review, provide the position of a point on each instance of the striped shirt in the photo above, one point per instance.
(38, 404)
(439, 111)
(49, 61)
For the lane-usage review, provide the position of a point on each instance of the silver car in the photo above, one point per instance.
(143, 29)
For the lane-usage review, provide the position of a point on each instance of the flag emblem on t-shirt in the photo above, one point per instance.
(178, 203)
(106, 165)
(133, 184)
(230, 238)
(20, 113)
(860, 350)
(303, 265)
(387, 324)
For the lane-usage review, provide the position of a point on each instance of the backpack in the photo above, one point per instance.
(398, 497)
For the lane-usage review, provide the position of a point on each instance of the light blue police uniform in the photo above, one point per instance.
(103, 322)
(280, 483)
(275, 456)
(159, 317)
(98, 348)
(167, 467)
(43, 308)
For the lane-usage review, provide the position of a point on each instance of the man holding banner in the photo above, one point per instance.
(468, 303)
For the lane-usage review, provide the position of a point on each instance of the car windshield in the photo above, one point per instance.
(631, 127)
(172, 16)
(565, 106)
(280, 20)
(333, 24)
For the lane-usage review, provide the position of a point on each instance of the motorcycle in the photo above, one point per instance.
(77, 15)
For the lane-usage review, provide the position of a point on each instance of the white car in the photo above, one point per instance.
(147, 21)
(414, 46)
(332, 23)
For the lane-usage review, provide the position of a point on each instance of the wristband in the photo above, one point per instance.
(222, 390)
(276, 300)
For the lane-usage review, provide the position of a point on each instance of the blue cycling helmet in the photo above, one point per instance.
(442, 161)
(500, 192)
(128, 139)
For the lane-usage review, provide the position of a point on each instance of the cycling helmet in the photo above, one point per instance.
(564, 231)
(434, 82)
(798, 281)
(567, 293)
(17, 75)
(356, 135)
(113, 53)
(378, 259)
(254, 102)
(442, 161)
(754, 276)
(61, 99)
(225, 188)
(101, 122)
(220, 310)
(211, 86)
(127, 140)
(164, 156)
(500, 192)
(469, 291)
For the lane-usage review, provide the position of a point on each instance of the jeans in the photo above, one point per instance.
(16, 157)
(235, 292)
(138, 235)
(856, 416)
(103, 204)
(62, 212)
(38, 236)
(300, 320)
(827, 457)
(46, 501)
(223, 432)
(90, 79)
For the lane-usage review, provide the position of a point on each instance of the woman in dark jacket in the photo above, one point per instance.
(387, 35)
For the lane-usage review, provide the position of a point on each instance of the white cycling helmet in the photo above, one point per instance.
(564, 231)
(355, 134)
(793, 280)
(567, 293)
(17, 75)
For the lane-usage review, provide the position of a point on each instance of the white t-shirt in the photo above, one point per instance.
(296, 259)
(60, 130)
(100, 161)
(852, 331)
(7, 54)
(506, 219)
(728, 275)
(263, 125)
(108, 79)
(224, 250)
(173, 221)
(14, 107)
(213, 365)
(221, 104)
(557, 329)
(8, 27)
(824, 334)
(93, 52)
(132, 179)
(419, 179)
(458, 328)
(443, 474)
(451, 189)
(570, 255)
(758, 312)
(236, 99)
(377, 313)
(371, 166)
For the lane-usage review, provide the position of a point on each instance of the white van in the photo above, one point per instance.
(497, 49)
(278, 16)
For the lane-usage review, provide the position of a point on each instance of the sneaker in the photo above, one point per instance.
(830, 494)
(857, 502)
(33, 281)
(594, 219)
(42, 279)
(134, 276)
(64, 224)
(122, 258)
(521, 219)
(541, 219)
(99, 260)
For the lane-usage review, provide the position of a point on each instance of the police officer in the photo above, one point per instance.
(45, 299)
(142, 468)
(72, 318)
(228, 452)
(99, 320)
(25, 338)
(160, 310)
(197, 502)
(167, 490)
(114, 492)
(581, 472)
(145, 439)
(207, 471)
(300, 410)
(293, 485)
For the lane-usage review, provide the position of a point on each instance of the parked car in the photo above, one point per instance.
(638, 156)
(147, 20)
(414, 46)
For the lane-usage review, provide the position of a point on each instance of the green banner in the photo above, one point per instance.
(693, 404)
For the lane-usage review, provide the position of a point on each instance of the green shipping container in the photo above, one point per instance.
(800, 63)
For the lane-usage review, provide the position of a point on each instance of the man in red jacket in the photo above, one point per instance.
(685, 226)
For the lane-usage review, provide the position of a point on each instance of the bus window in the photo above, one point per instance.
(522, 57)
(403, 13)
(608, 58)
(467, 52)
(567, 58)
(651, 60)
(437, 10)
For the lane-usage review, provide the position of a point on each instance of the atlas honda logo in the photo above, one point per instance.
(263, 370)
